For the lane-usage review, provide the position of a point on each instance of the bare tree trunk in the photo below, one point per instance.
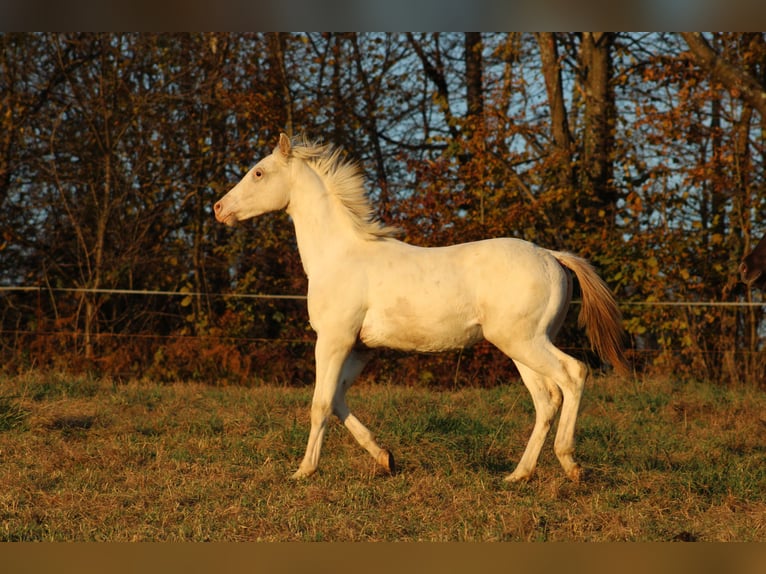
(562, 137)
(277, 48)
(371, 123)
(511, 54)
(474, 75)
(596, 69)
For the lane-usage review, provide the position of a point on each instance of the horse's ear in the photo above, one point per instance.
(284, 145)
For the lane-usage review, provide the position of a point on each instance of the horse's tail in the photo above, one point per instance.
(598, 313)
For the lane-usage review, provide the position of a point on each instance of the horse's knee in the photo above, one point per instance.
(578, 371)
(572, 380)
(556, 396)
(320, 411)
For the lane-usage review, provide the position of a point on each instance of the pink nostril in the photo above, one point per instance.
(217, 206)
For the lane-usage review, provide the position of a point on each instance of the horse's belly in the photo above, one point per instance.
(402, 327)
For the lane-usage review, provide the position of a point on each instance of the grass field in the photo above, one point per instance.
(84, 459)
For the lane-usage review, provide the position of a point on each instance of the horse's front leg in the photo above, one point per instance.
(353, 365)
(330, 357)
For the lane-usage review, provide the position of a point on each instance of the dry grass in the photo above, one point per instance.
(89, 460)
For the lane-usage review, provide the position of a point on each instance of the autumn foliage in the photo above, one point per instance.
(642, 152)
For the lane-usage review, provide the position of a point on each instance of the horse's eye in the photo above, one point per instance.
(258, 173)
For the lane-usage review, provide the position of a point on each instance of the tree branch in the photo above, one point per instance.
(735, 79)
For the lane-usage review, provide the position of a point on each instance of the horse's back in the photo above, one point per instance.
(433, 299)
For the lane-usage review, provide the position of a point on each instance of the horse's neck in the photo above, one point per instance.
(321, 227)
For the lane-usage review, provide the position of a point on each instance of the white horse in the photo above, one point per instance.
(367, 289)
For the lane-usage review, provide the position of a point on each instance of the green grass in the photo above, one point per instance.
(84, 459)
(12, 415)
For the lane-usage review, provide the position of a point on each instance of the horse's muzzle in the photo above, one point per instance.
(222, 216)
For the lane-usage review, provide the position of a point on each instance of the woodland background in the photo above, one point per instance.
(643, 152)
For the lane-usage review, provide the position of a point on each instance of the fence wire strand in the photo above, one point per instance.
(148, 292)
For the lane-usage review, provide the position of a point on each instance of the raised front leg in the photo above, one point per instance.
(329, 397)
(351, 369)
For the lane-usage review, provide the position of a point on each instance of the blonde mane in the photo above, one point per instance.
(347, 186)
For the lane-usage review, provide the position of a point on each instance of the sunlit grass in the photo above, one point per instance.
(88, 459)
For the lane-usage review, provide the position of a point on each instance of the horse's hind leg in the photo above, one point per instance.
(351, 369)
(572, 388)
(554, 379)
(568, 374)
(547, 399)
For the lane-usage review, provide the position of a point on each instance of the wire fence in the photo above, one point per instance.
(148, 292)
(294, 345)
(625, 305)
(183, 293)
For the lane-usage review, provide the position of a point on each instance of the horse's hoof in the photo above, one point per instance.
(575, 473)
(517, 477)
(386, 460)
(300, 474)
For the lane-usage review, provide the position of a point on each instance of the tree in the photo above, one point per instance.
(737, 79)
(642, 152)
(562, 144)
(595, 75)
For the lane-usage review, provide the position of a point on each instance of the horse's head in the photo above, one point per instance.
(752, 269)
(751, 275)
(266, 187)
